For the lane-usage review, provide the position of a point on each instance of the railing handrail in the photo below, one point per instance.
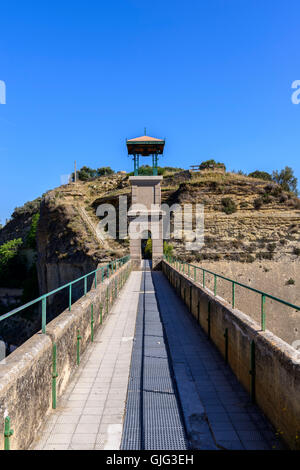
(234, 283)
(124, 260)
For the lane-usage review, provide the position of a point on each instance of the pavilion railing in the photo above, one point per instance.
(192, 272)
(105, 270)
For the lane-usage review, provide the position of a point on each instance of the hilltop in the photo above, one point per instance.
(247, 220)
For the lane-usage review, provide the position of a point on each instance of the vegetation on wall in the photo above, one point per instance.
(31, 237)
(228, 205)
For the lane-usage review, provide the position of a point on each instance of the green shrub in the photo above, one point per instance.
(262, 175)
(9, 250)
(258, 203)
(228, 205)
(168, 249)
(296, 251)
(148, 248)
(290, 282)
(31, 237)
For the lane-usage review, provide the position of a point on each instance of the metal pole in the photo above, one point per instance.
(8, 432)
(70, 297)
(44, 314)
(263, 313)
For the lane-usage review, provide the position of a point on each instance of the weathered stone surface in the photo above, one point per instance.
(26, 375)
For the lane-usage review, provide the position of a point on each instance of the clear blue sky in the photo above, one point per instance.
(212, 76)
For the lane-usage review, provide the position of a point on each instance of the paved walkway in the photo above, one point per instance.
(184, 395)
(153, 419)
(90, 414)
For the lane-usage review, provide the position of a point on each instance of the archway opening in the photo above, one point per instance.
(146, 245)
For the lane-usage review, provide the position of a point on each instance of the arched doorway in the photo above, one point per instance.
(146, 245)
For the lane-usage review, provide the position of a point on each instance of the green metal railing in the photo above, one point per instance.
(106, 270)
(192, 273)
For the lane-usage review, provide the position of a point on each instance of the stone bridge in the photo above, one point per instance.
(151, 360)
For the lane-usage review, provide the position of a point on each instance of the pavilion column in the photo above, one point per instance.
(136, 164)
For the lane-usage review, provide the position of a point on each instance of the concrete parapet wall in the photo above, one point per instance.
(26, 375)
(277, 364)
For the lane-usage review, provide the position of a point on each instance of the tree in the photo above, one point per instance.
(9, 250)
(262, 175)
(104, 171)
(286, 179)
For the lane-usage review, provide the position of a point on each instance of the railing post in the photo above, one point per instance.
(233, 294)
(252, 371)
(85, 285)
(195, 273)
(54, 376)
(102, 275)
(203, 281)
(215, 284)
(95, 279)
(78, 347)
(8, 432)
(70, 297)
(44, 314)
(263, 313)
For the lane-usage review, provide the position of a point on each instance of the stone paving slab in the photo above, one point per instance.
(90, 413)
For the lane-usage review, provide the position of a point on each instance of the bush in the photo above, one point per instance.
(296, 251)
(148, 248)
(168, 249)
(13, 268)
(212, 164)
(258, 203)
(86, 173)
(271, 247)
(290, 282)
(228, 205)
(9, 250)
(262, 175)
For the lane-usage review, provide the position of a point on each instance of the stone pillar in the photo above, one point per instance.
(146, 191)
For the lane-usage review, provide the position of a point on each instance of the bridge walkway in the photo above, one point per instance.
(167, 388)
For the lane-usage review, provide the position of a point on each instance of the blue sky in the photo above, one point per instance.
(213, 77)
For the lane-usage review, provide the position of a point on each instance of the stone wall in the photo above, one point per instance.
(26, 375)
(277, 364)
